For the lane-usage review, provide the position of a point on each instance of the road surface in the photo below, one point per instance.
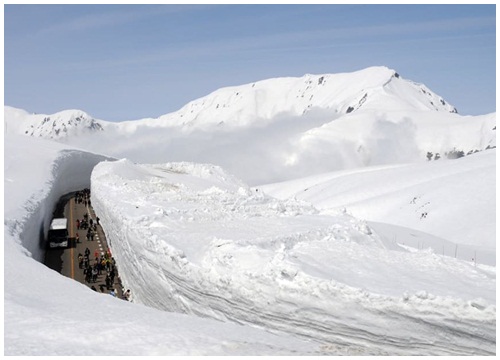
(65, 261)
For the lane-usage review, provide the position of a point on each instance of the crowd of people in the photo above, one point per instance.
(87, 223)
(83, 197)
(98, 264)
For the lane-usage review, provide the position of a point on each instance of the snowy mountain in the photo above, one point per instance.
(57, 126)
(366, 246)
(376, 88)
(308, 125)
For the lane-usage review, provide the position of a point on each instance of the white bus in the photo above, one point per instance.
(58, 233)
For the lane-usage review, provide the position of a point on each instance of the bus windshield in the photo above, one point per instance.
(58, 235)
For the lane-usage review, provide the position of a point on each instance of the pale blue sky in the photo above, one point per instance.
(126, 62)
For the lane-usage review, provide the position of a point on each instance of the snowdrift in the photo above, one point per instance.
(450, 199)
(191, 238)
(51, 315)
(34, 181)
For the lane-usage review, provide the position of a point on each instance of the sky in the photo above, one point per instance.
(128, 62)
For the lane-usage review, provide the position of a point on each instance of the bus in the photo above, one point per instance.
(58, 233)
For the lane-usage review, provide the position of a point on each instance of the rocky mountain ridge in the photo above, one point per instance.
(57, 126)
(333, 94)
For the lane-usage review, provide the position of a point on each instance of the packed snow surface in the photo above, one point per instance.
(48, 314)
(191, 238)
(447, 199)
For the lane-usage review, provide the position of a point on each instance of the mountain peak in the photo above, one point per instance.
(55, 126)
(375, 88)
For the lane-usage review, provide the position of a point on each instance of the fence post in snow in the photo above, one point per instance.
(456, 248)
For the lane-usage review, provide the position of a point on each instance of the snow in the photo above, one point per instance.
(215, 265)
(437, 197)
(48, 314)
(256, 102)
(372, 255)
(233, 253)
(285, 127)
(56, 126)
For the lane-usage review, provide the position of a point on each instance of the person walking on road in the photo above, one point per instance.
(112, 275)
(108, 282)
(88, 273)
(94, 274)
(103, 264)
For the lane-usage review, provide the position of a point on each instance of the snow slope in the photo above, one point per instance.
(333, 95)
(286, 127)
(336, 94)
(194, 239)
(48, 314)
(450, 199)
(58, 126)
(366, 260)
(191, 238)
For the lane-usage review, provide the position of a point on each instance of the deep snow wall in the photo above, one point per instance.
(70, 172)
(39, 303)
(162, 276)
